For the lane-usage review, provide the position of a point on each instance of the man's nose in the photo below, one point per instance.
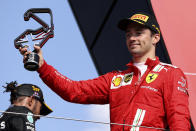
(133, 37)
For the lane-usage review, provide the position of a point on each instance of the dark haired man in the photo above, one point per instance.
(26, 99)
(149, 95)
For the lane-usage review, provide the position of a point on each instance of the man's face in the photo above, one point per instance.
(37, 108)
(139, 40)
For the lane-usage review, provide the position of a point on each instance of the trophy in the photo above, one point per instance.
(40, 36)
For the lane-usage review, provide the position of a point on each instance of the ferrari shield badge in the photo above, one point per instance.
(151, 77)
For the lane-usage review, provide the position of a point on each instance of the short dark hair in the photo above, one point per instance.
(153, 32)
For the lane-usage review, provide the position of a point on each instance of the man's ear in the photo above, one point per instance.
(156, 38)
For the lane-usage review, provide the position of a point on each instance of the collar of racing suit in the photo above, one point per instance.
(149, 62)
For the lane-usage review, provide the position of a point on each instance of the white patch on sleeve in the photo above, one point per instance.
(182, 82)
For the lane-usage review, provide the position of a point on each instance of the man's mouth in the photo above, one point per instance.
(133, 45)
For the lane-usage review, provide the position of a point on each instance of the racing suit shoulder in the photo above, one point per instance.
(168, 65)
(17, 122)
(169, 69)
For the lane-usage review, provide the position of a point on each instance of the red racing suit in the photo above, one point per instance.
(157, 99)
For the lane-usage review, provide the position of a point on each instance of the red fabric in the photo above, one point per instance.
(160, 96)
(177, 22)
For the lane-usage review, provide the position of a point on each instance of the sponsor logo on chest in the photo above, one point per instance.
(30, 117)
(121, 80)
(2, 125)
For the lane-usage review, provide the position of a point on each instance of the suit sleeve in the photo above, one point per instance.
(94, 91)
(176, 101)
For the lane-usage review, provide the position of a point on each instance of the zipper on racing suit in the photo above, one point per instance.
(124, 125)
(137, 83)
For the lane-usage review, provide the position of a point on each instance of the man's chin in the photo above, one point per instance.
(36, 118)
(135, 53)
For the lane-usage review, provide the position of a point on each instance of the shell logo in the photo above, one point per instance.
(117, 81)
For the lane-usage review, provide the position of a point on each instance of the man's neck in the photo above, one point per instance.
(140, 59)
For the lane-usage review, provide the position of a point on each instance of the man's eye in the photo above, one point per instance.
(128, 35)
(138, 33)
